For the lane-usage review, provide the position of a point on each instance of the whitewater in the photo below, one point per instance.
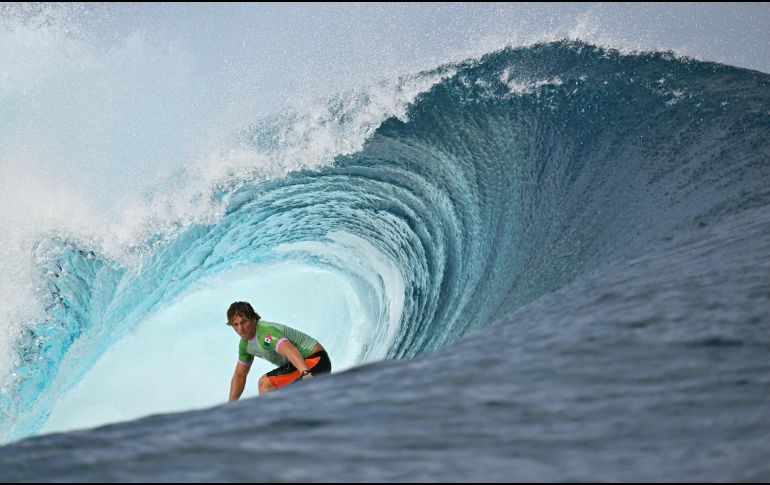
(542, 263)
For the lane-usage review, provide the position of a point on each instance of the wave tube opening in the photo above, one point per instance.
(182, 357)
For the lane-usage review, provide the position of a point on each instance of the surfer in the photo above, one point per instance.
(297, 355)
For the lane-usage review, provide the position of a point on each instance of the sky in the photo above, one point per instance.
(314, 48)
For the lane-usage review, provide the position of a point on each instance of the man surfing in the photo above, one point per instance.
(297, 355)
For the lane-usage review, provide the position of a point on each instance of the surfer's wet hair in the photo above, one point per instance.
(244, 309)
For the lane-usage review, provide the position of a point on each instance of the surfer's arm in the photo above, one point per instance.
(238, 382)
(290, 351)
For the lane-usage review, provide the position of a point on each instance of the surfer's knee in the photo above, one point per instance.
(265, 385)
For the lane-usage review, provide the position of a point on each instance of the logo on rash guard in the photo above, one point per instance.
(268, 339)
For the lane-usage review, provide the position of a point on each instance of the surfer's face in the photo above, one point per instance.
(243, 326)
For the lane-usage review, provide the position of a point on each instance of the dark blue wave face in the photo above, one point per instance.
(526, 170)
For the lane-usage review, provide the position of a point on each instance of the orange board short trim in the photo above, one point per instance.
(286, 379)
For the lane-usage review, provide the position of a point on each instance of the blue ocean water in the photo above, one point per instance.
(559, 256)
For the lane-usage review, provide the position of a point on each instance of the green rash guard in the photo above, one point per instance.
(267, 340)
